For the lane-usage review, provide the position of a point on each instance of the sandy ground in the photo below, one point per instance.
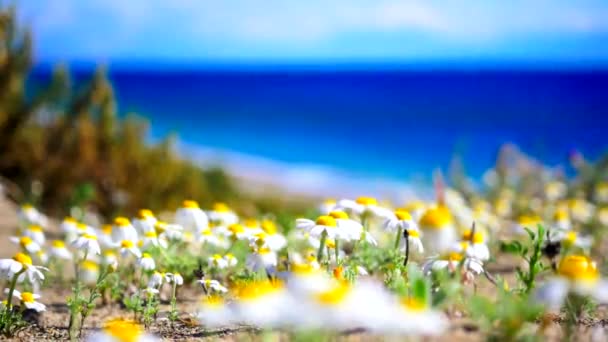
(52, 324)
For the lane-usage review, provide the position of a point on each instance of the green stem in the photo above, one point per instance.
(11, 290)
(398, 237)
(337, 249)
(321, 246)
(174, 300)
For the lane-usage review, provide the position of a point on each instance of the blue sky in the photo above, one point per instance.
(284, 31)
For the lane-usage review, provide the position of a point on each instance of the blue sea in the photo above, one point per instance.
(398, 125)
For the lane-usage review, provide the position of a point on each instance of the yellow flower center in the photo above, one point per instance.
(122, 221)
(27, 297)
(269, 227)
(89, 265)
(339, 215)
(25, 241)
(213, 301)
(206, 232)
(251, 223)
(27, 206)
(413, 304)
(255, 290)
(146, 255)
(529, 221)
(89, 236)
(150, 234)
(145, 213)
(366, 201)
(81, 227)
(23, 259)
(413, 233)
(301, 268)
(236, 228)
(58, 244)
(453, 256)
(35, 228)
(569, 239)
(221, 207)
(127, 244)
(160, 227)
(335, 295)
(190, 204)
(69, 219)
(403, 215)
(436, 218)
(578, 267)
(216, 257)
(106, 229)
(561, 215)
(326, 220)
(123, 330)
(477, 237)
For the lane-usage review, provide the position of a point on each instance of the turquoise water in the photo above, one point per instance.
(394, 125)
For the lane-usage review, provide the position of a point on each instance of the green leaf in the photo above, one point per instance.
(531, 234)
(513, 247)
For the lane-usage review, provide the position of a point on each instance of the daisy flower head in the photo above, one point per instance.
(127, 247)
(325, 224)
(87, 244)
(415, 208)
(327, 206)
(221, 213)
(576, 274)
(89, 272)
(262, 259)
(206, 236)
(59, 250)
(217, 261)
(352, 229)
(264, 304)
(364, 206)
(602, 216)
(526, 221)
(213, 285)
(150, 238)
(174, 278)
(28, 300)
(157, 279)
(561, 219)
(475, 244)
(452, 260)
(231, 260)
(414, 241)
(26, 243)
(237, 231)
(21, 263)
(213, 312)
(121, 330)
(146, 262)
(110, 258)
(144, 222)
(123, 230)
(571, 239)
(68, 226)
(252, 226)
(170, 232)
(274, 240)
(28, 214)
(400, 219)
(36, 233)
(437, 227)
(412, 316)
(191, 217)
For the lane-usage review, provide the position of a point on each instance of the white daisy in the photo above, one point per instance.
(59, 250)
(123, 230)
(437, 228)
(120, 330)
(221, 213)
(26, 243)
(20, 262)
(146, 262)
(191, 217)
(576, 274)
(145, 221)
(364, 205)
(28, 300)
(87, 243)
(212, 284)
